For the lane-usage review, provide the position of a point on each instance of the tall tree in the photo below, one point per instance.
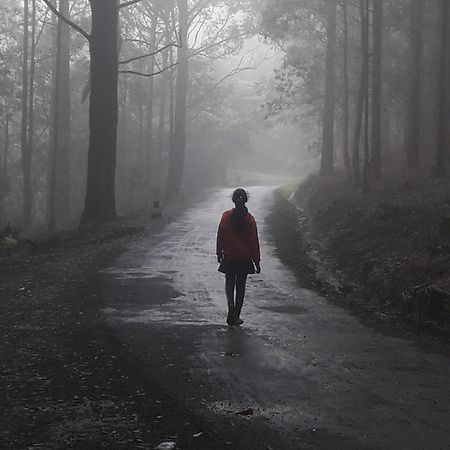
(30, 136)
(366, 60)
(26, 156)
(59, 186)
(346, 107)
(414, 127)
(361, 94)
(376, 88)
(100, 202)
(151, 168)
(327, 159)
(4, 157)
(177, 150)
(440, 168)
(63, 110)
(162, 115)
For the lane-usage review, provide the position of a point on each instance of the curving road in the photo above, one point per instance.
(299, 365)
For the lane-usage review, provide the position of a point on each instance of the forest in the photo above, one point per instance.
(126, 127)
(107, 106)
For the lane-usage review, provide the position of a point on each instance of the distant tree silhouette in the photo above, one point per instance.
(327, 156)
(440, 168)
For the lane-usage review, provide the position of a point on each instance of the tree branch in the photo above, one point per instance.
(129, 3)
(141, 74)
(67, 21)
(239, 68)
(199, 9)
(215, 44)
(135, 58)
(44, 22)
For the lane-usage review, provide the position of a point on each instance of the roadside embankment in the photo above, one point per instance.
(385, 251)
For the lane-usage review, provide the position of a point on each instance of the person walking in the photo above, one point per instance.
(237, 253)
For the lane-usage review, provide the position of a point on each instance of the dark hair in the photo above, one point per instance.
(239, 216)
(239, 192)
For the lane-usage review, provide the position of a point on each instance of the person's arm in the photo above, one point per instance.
(256, 255)
(219, 246)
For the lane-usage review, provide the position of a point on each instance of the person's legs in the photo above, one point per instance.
(230, 283)
(241, 280)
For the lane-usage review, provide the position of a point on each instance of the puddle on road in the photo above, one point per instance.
(179, 317)
(128, 292)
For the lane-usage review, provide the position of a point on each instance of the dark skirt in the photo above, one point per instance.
(237, 266)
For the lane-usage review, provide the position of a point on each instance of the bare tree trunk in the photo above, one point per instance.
(345, 154)
(6, 140)
(4, 160)
(30, 134)
(26, 157)
(150, 169)
(100, 204)
(177, 152)
(171, 100)
(327, 160)
(141, 132)
(63, 110)
(59, 185)
(361, 96)
(123, 102)
(172, 72)
(53, 140)
(414, 126)
(366, 168)
(162, 119)
(440, 168)
(165, 184)
(376, 89)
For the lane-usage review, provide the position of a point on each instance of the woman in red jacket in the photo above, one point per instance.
(237, 253)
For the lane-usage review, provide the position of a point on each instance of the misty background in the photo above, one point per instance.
(107, 107)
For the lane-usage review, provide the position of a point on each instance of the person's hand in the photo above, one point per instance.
(258, 267)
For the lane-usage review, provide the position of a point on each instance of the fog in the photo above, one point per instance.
(100, 119)
(224, 224)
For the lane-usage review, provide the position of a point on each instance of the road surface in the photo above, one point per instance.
(300, 366)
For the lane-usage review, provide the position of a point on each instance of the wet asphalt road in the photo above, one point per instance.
(308, 369)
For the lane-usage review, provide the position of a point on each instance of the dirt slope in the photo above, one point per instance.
(389, 247)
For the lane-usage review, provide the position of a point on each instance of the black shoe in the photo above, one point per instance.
(231, 316)
(238, 321)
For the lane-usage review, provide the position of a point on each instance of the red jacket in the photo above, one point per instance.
(242, 244)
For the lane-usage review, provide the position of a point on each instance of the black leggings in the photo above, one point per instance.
(232, 282)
